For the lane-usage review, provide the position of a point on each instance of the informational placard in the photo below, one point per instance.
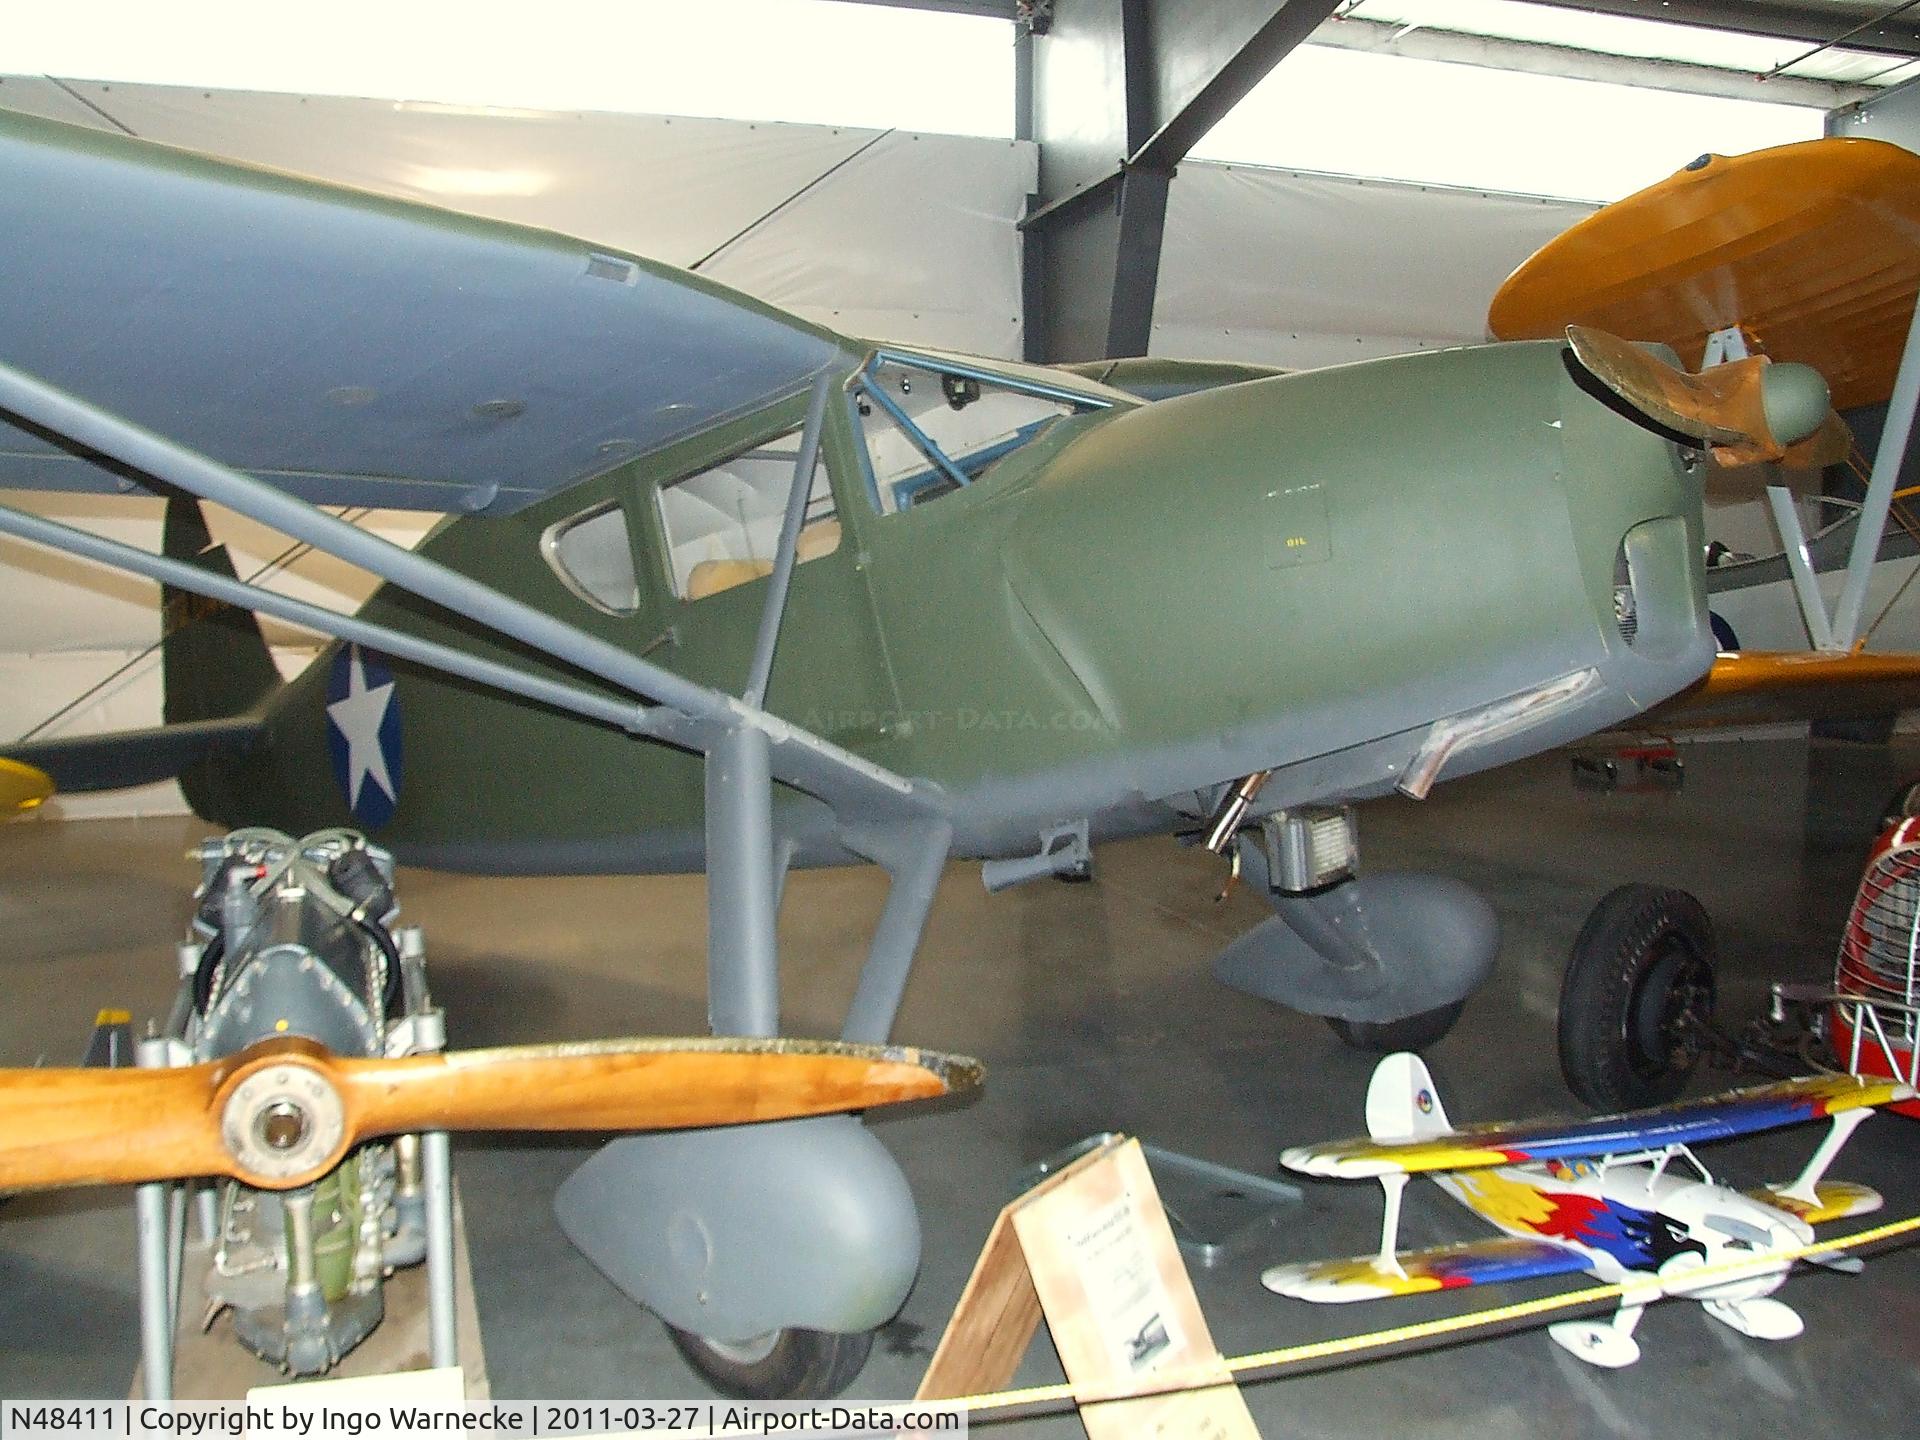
(1090, 1248)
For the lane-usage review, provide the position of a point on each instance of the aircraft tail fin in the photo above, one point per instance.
(214, 657)
(217, 672)
(1402, 1102)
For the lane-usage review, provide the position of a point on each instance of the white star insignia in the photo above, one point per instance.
(359, 716)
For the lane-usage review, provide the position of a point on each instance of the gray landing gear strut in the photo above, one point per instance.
(1388, 959)
(771, 1251)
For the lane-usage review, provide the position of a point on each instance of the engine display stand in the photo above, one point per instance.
(213, 1365)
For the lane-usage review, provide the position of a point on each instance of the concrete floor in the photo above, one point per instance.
(1093, 1007)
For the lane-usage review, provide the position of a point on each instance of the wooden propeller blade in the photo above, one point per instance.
(641, 1084)
(1740, 473)
(104, 1127)
(284, 1112)
(1723, 405)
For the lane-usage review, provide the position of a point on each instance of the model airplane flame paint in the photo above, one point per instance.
(1600, 1197)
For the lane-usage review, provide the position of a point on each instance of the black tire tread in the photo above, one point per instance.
(803, 1364)
(1410, 1032)
(1606, 960)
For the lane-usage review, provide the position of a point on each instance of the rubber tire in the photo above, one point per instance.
(1410, 1032)
(802, 1365)
(1628, 938)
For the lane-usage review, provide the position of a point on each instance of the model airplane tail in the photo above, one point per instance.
(1402, 1103)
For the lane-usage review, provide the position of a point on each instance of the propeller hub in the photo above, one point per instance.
(283, 1123)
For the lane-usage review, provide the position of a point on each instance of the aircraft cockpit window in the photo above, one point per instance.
(931, 431)
(593, 553)
(723, 524)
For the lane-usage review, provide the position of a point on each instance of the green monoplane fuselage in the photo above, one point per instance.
(1124, 608)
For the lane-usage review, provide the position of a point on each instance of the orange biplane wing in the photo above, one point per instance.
(1772, 687)
(1811, 250)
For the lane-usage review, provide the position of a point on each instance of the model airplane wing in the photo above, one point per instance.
(1833, 1200)
(352, 349)
(1413, 1272)
(1719, 1117)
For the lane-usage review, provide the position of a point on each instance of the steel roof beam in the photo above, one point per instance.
(1452, 47)
(1116, 95)
(1807, 24)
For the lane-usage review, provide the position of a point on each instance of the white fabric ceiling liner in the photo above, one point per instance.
(1297, 269)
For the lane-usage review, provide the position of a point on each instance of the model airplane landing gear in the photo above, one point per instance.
(1760, 1319)
(1388, 959)
(1606, 1343)
(1636, 1004)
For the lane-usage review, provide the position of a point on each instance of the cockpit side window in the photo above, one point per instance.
(592, 552)
(930, 431)
(723, 524)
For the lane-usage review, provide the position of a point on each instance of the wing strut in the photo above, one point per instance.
(694, 714)
(1394, 1185)
(747, 749)
(1841, 631)
(1805, 1188)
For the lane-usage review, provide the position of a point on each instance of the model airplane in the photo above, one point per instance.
(723, 589)
(1596, 1196)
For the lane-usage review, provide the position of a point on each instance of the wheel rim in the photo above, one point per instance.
(1670, 1009)
(750, 1351)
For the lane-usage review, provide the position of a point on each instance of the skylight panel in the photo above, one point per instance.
(1355, 113)
(819, 62)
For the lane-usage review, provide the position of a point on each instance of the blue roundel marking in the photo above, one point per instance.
(1724, 639)
(1425, 1101)
(363, 733)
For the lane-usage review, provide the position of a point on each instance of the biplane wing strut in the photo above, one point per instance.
(1805, 1186)
(1838, 631)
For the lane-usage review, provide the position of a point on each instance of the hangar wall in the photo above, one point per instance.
(883, 233)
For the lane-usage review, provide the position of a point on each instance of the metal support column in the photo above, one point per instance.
(1121, 92)
(436, 1175)
(915, 876)
(1136, 263)
(153, 1254)
(1888, 461)
(743, 976)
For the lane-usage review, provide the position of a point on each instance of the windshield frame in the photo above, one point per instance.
(861, 384)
